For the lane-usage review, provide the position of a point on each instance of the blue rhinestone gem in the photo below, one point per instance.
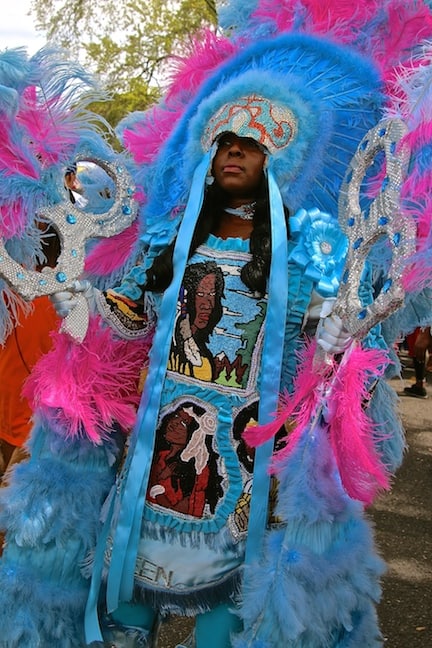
(387, 285)
(71, 219)
(61, 277)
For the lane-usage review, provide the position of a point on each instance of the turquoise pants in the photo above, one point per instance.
(212, 629)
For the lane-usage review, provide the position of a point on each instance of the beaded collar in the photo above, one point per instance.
(245, 212)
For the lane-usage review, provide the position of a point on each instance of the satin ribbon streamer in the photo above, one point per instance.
(271, 367)
(126, 535)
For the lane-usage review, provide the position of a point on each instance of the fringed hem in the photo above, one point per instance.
(194, 601)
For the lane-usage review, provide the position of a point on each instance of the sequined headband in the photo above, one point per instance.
(271, 124)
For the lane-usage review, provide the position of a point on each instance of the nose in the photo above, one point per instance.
(235, 148)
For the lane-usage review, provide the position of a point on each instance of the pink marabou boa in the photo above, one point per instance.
(84, 388)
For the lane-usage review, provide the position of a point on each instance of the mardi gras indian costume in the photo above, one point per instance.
(286, 446)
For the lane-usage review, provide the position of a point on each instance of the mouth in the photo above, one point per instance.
(232, 168)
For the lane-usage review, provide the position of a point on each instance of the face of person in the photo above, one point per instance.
(177, 428)
(205, 298)
(238, 166)
(72, 182)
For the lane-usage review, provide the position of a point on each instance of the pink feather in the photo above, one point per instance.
(336, 395)
(49, 125)
(14, 157)
(405, 24)
(340, 19)
(207, 51)
(110, 254)
(418, 272)
(297, 409)
(352, 432)
(85, 388)
(13, 218)
(145, 139)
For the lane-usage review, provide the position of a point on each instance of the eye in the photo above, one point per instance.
(252, 145)
(224, 142)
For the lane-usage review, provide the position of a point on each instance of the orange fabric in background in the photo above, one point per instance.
(23, 347)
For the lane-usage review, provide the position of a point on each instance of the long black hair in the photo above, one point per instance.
(255, 272)
(184, 475)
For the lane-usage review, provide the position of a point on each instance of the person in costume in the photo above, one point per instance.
(171, 573)
(244, 165)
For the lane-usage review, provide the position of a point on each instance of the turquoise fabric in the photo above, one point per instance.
(271, 369)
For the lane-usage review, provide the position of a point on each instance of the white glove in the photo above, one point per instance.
(331, 335)
(65, 301)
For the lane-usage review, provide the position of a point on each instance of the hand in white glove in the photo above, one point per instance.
(331, 334)
(65, 301)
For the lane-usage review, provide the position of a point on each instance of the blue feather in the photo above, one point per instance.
(51, 511)
(322, 566)
(334, 93)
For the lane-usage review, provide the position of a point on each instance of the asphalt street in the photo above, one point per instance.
(403, 528)
(403, 522)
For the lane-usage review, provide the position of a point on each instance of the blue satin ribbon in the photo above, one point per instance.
(271, 366)
(126, 535)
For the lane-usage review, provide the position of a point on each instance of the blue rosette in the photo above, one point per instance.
(320, 249)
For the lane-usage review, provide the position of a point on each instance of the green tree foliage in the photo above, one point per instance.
(126, 43)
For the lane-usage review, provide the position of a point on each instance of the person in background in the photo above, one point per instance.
(74, 187)
(420, 348)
